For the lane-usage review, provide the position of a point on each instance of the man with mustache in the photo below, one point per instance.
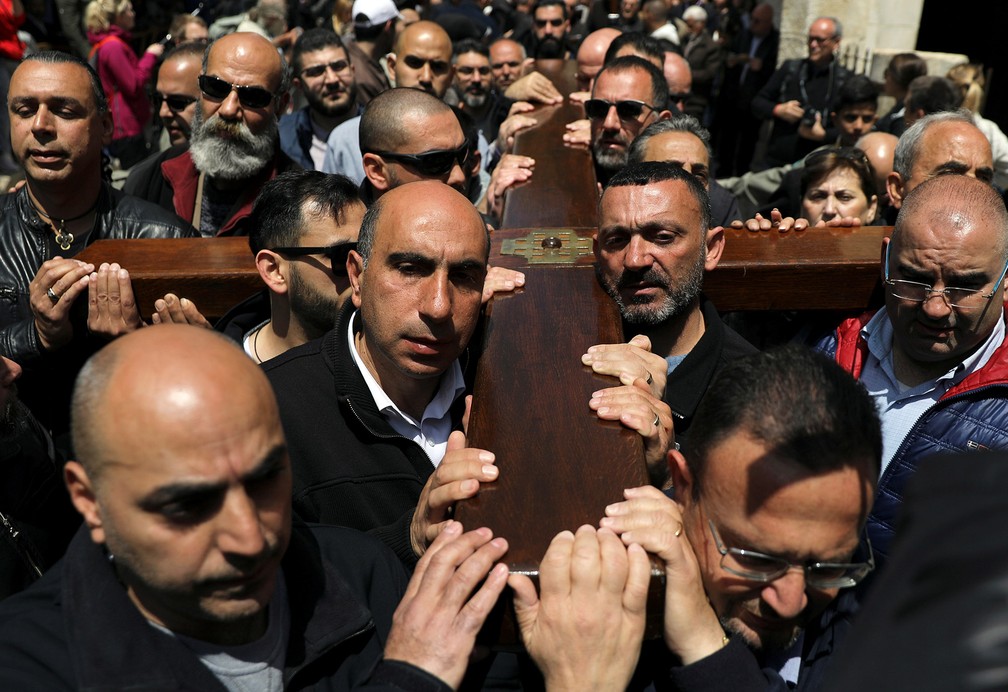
(235, 146)
(473, 91)
(422, 60)
(190, 573)
(934, 358)
(630, 93)
(324, 74)
(653, 245)
(59, 122)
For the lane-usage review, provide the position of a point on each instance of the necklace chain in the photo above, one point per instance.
(63, 238)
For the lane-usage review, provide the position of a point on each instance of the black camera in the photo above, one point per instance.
(808, 120)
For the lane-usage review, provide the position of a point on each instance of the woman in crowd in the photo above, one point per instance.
(837, 190)
(838, 184)
(123, 76)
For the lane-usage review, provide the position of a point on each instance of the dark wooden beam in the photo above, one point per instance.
(562, 191)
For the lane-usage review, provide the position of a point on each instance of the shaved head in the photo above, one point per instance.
(168, 372)
(383, 125)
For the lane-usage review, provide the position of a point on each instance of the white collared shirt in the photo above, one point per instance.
(900, 406)
(432, 430)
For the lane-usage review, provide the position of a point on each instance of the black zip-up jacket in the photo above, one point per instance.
(351, 468)
(77, 629)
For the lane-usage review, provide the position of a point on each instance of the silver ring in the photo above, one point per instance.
(52, 295)
(657, 420)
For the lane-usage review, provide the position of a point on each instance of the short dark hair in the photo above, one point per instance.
(798, 403)
(933, 94)
(55, 57)
(856, 90)
(469, 45)
(313, 40)
(550, 3)
(659, 87)
(651, 172)
(277, 218)
(821, 162)
(641, 43)
(906, 67)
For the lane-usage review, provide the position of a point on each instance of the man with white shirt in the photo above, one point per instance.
(368, 408)
(934, 359)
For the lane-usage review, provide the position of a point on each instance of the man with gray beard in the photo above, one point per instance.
(235, 147)
(652, 248)
(36, 517)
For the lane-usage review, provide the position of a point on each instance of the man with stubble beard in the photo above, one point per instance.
(653, 245)
(325, 75)
(235, 146)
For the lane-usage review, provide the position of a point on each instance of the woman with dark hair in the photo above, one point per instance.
(838, 183)
(903, 68)
(123, 76)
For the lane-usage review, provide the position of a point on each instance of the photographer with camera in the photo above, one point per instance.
(802, 93)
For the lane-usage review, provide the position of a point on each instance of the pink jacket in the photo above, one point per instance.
(123, 78)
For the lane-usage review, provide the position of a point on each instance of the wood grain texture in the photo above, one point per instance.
(819, 269)
(562, 191)
(215, 273)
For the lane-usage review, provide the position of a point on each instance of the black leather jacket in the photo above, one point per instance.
(26, 241)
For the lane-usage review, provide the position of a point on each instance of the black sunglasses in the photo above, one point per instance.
(176, 102)
(598, 109)
(541, 23)
(430, 163)
(314, 71)
(337, 254)
(415, 62)
(249, 96)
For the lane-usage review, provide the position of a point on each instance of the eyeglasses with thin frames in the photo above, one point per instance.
(760, 567)
(337, 66)
(961, 298)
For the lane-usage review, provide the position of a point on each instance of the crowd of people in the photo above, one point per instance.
(267, 501)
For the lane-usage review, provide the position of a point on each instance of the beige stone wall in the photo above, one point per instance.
(868, 24)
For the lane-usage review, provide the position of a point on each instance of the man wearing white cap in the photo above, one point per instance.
(373, 28)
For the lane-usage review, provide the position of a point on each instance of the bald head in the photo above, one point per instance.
(386, 122)
(159, 381)
(953, 206)
(591, 55)
(421, 58)
(252, 54)
(879, 148)
(678, 76)
(402, 207)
